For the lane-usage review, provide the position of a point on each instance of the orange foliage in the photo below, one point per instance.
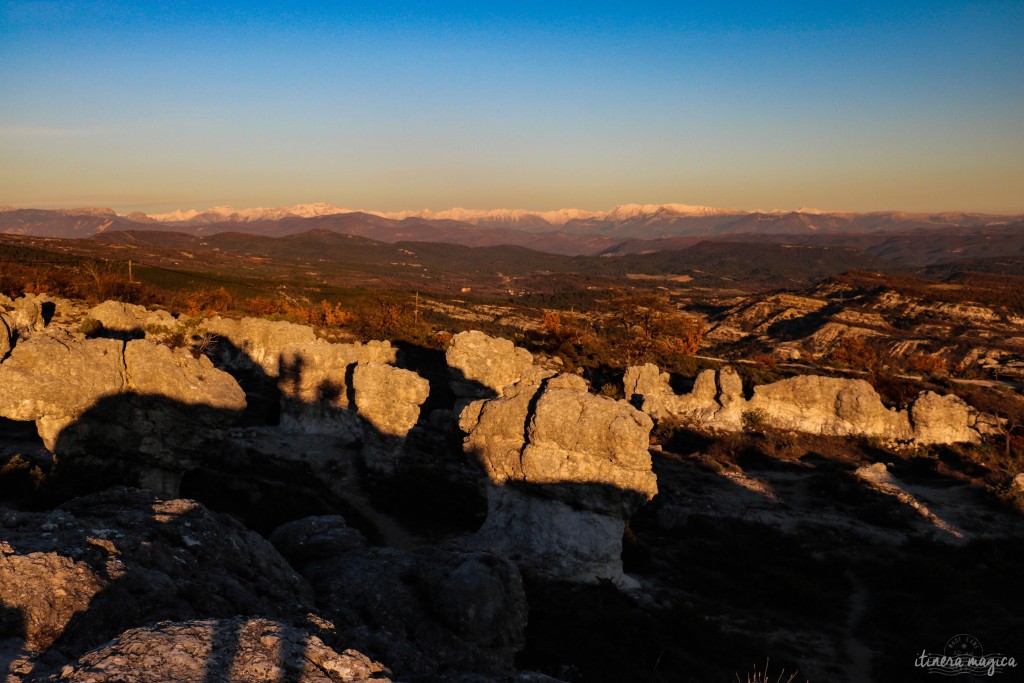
(931, 363)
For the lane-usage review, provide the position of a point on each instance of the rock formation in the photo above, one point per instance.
(565, 469)
(114, 400)
(312, 375)
(241, 650)
(431, 611)
(81, 574)
(480, 366)
(828, 406)
(130, 319)
(388, 399)
(716, 399)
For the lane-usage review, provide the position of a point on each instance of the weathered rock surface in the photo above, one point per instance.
(828, 406)
(28, 313)
(312, 375)
(576, 463)
(241, 650)
(388, 399)
(716, 399)
(81, 574)
(53, 380)
(942, 419)
(131, 319)
(429, 612)
(141, 403)
(480, 366)
(6, 335)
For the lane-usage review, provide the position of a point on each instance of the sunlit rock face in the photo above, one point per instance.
(565, 469)
(480, 366)
(829, 406)
(313, 377)
(388, 400)
(253, 650)
(138, 406)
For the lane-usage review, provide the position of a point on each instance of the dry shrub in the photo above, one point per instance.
(928, 363)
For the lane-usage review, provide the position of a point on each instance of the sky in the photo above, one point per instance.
(859, 106)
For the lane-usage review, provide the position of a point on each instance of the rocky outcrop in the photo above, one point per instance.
(943, 419)
(429, 612)
(28, 313)
(565, 469)
(81, 574)
(715, 401)
(141, 403)
(480, 366)
(829, 406)
(53, 380)
(313, 376)
(388, 399)
(131, 319)
(241, 650)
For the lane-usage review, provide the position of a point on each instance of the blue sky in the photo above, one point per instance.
(860, 106)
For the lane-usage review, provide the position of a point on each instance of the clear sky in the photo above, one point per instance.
(540, 105)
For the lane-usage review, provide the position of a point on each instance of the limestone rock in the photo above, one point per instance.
(79, 575)
(388, 399)
(941, 419)
(6, 335)
(28, 313)
(829, 406)
(253, 650)
(131, 319)
(177, 375)
(554, 442)
(55, 379)
(645, 381)
(431, 611)
(116, 402)
(480, 366)
(258, 341)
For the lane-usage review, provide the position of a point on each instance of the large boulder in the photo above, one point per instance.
(576, 463)
(942, 419)
(140, 407)
(388, 400)
(241, 650)
(830, 406)
(131, 319)
(480, 366)
(431, 612)
(53, 380)
(29, 313)
(79, 575)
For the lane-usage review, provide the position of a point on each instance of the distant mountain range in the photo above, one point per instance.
(629, 228)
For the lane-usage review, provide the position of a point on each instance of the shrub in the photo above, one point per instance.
(755, 420)
(90, 327)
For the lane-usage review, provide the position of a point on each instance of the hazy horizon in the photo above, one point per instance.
(908, 106)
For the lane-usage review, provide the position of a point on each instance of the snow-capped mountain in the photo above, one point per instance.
(521, 218)
(228, 214)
